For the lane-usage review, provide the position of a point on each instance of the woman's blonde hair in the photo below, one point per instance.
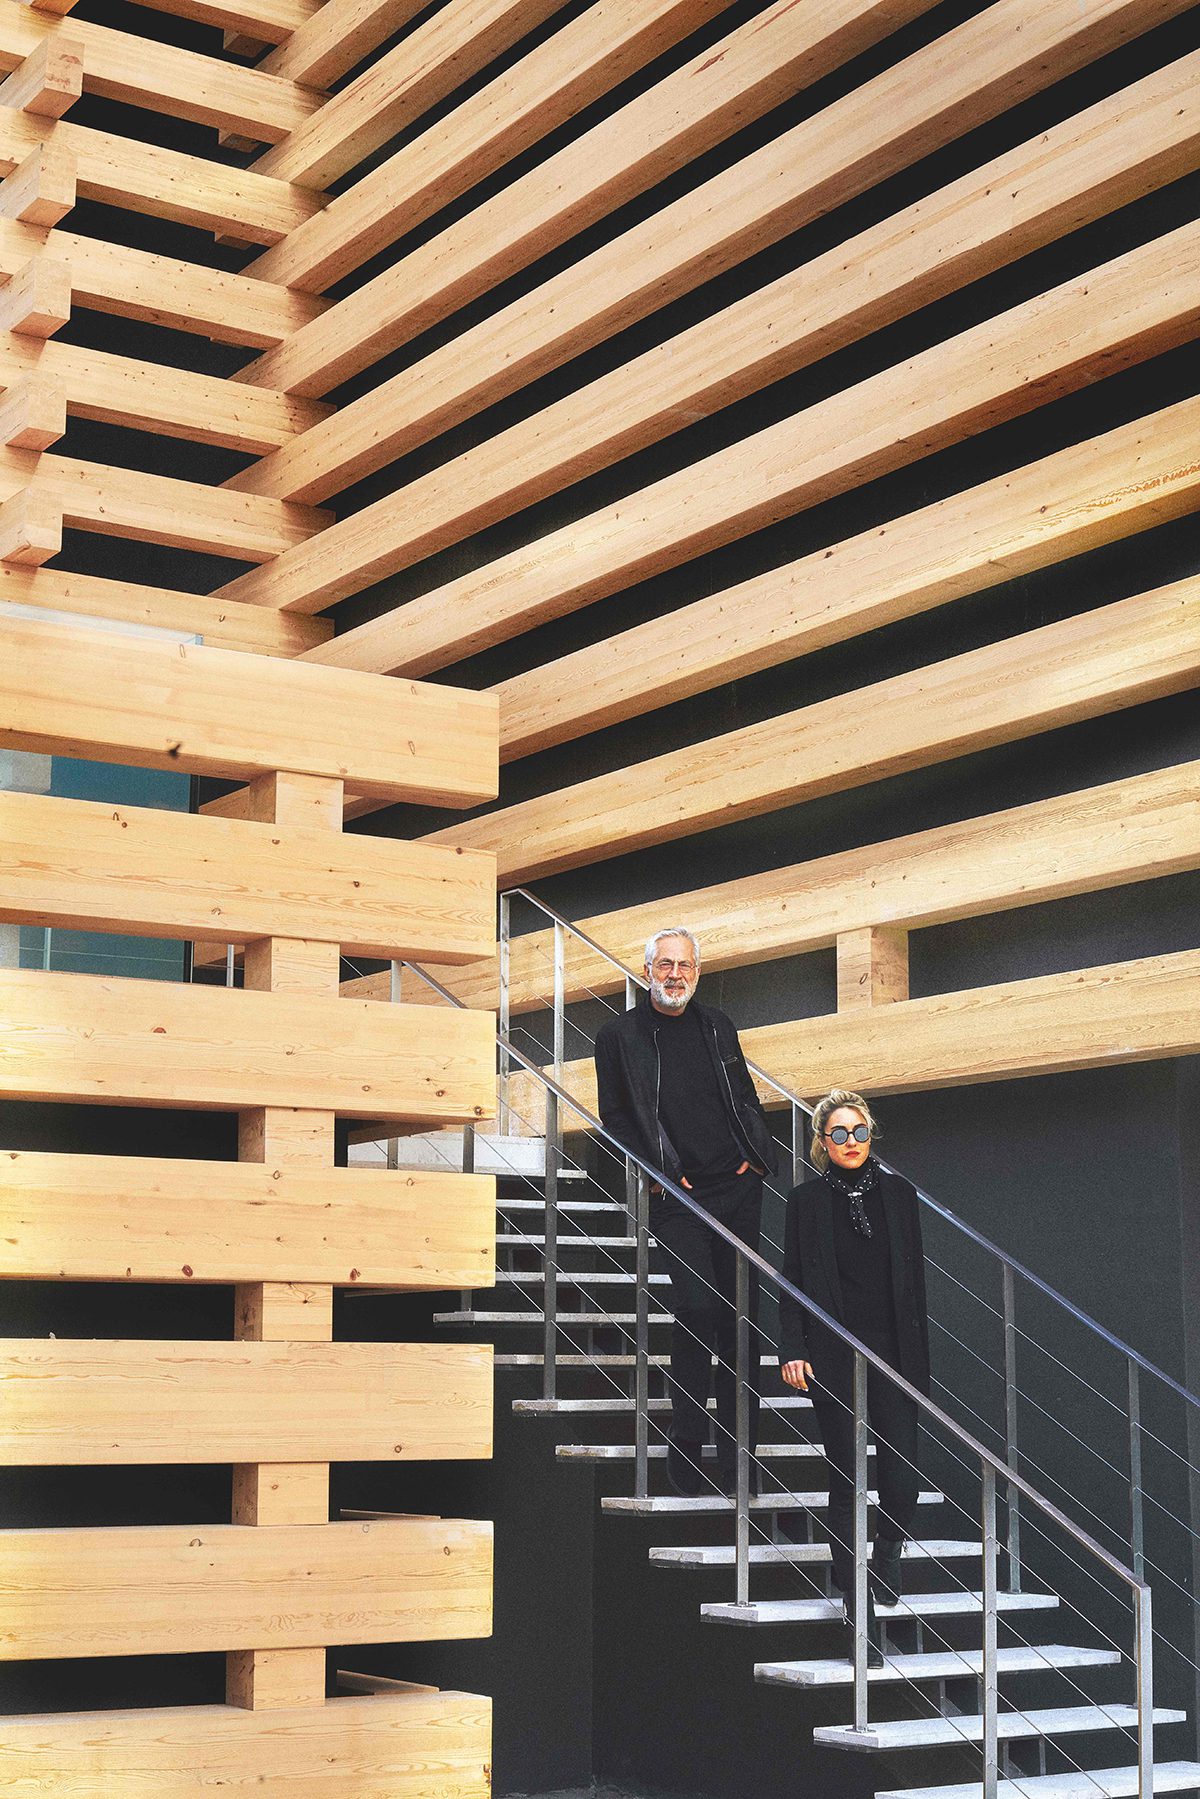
(832, 1102)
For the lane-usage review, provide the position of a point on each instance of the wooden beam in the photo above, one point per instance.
(1106, 157)
(85, 866)
(1113, 317)
(33, 413)
(376, 1746)
(118, 502)
(30, 530)
(58, 61)
(335, 38)
(459, 39)
(872, 967)
(1116, 656)
(163, 290)
(963, 78)
(36, 301)
(1137, 1011)
(166, 184)
(1096, 492)
(124, 1042)
(1142, 828)
(223, 625)
(46, 78)
(42, 189)
(148, 396)
(208, 711)
(587, 58)
(159, 1589)
(134, 1218)
(265, 21)
(81, 1404)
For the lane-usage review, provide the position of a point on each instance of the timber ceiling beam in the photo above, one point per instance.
(116, 65)
(221, 624)
(462, 37)
(162, 290)
(334, 38)
(263, 21)
(1143, 828)
(1112, 154)
(1095, 492)
(165, 184)
(1117, 656)
(589, 57)
(1111, 318)
(964, 78)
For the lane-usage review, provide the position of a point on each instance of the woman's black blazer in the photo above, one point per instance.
(810, 1263)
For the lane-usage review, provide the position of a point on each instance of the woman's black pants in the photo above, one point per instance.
(893, 1422)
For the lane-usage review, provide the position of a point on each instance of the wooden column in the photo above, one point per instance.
(872, 967)
(267, 1493)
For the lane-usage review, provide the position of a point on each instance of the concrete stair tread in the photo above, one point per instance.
(935, 1665)
(788, 1402)
(604, 1360)
(565, 1241)
(507, 1205)
(929, 1733)
(1090, 1783)
(721, 1555)
(623, 1452)
(919, 1605)
(579, 1277)
(565, 1319)
(673, 1505)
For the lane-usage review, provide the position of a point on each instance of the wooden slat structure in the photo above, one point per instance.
(766, 404)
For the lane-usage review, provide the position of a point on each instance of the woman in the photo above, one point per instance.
(853, 1244)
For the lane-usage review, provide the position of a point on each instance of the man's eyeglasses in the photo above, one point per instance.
(839, 1134)
(664, 965)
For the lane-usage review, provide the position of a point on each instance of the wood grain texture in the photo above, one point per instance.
(87, 866)
(1135, 1011)
(266, 21)
(1117, 315)
(385, 1746)
(80, 1404)
(964, 78)
(335, 36)
(221, 623)
(1127, 480)
(1116, 656)
(548, 85)
(209, 711)
(147, 1043)
(161, 1589)
(115, 1218)
(1103, 158)
(392, 93)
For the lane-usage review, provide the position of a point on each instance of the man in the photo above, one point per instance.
(674, 1087)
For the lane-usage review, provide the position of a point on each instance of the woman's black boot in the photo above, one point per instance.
(883, 1571)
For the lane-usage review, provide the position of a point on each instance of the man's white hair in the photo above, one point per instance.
(672, 930)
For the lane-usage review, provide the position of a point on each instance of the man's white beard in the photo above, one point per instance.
(670, 1002)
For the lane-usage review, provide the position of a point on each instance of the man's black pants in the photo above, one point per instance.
(703, 1274)
(893, 1419)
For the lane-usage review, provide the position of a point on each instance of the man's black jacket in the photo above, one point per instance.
(627, 1080)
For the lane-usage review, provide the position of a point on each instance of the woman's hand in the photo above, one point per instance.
(797, 1374)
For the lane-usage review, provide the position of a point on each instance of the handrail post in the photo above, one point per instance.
(742, 1432)
(550, 1251)
(797, 1144)
(991, 1755)
(859, 1542)
(641, 1369)
(1137, 1541)
(1010, 1427)
(503, 1118)
(1143, 1647)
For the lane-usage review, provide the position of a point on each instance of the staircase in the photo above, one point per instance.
(968, 1662)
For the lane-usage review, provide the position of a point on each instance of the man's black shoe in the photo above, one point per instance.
(684, 1476)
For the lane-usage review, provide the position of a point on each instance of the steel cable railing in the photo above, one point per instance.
(639, 1176)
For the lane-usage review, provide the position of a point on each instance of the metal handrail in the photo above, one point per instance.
(942, 1211)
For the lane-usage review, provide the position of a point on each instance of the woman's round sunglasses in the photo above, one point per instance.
(839, 1134)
